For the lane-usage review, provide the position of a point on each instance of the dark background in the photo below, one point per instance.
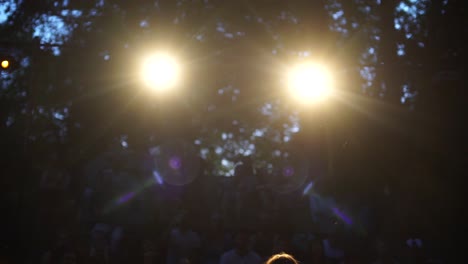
(394, 141)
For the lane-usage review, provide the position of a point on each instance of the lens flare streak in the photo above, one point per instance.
(158, 178)
(342, 216)
(308, 188)
(130, 195)
(125, 198)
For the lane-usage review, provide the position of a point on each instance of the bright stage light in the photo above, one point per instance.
(310, 83)
(160, 72)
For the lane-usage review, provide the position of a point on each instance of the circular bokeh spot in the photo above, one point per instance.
(288, 171)
(289, 175)
(177, 162)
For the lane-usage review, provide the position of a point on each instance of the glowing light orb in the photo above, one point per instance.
(160, 72)
(5, 64)
(175, 163)
(288, 171)
(310, 83)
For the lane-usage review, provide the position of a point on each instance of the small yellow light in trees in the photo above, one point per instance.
(5, 64)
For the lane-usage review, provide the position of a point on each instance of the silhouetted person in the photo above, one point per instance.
(245, 182)
(184, 243)
(242, 252)
(214, 242)
(316, 254)
(282, 258)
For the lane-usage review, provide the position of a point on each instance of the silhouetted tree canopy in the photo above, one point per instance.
(76, 92)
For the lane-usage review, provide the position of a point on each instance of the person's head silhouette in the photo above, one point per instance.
(282, 258)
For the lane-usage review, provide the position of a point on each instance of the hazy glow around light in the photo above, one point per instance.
(5, 64)
(160, 72)
(310, 82)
